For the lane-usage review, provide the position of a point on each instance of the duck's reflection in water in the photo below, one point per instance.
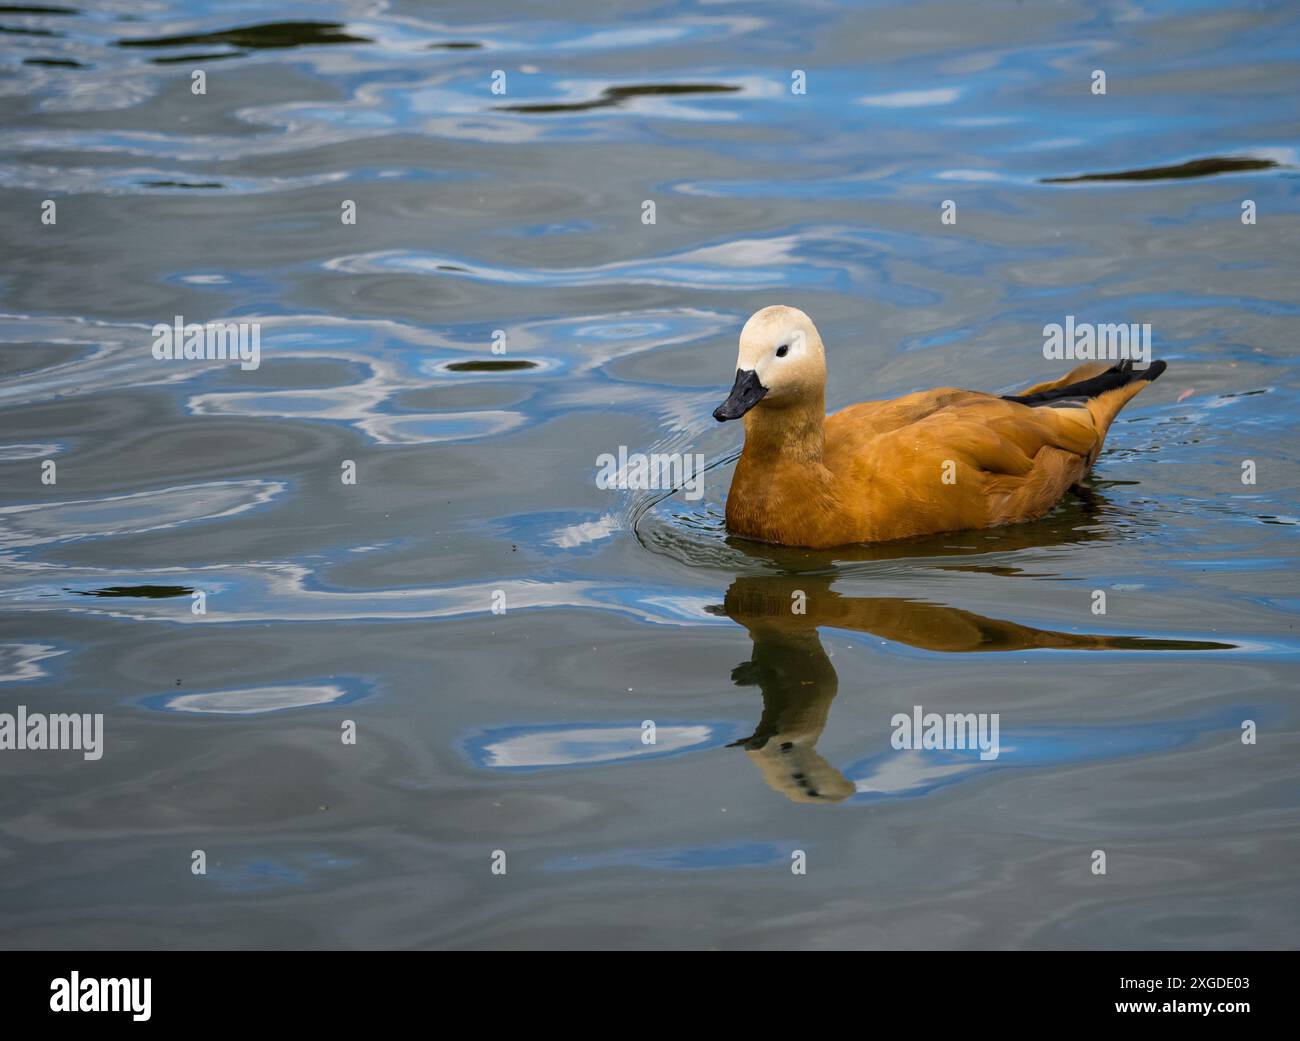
(798, 682)
(783, 614)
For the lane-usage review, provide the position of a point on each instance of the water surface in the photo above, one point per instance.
(515, 220)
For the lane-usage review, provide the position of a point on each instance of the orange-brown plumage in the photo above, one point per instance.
(938, 460)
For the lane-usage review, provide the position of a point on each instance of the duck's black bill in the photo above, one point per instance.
(745, 394)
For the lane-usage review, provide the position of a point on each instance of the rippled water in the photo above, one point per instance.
(516, 219)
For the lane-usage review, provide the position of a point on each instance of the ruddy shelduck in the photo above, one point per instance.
(934, 461)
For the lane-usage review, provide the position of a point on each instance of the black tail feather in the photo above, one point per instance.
(1120, 375)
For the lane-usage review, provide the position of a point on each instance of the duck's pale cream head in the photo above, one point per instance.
(781, 363)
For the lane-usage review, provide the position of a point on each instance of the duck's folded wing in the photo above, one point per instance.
(977, 463)
(948, 459)
(994, 436)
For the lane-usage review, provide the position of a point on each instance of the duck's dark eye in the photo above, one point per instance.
(783, 350)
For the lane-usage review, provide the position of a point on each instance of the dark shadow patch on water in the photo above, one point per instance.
(14, 31)
(487, 365)
(611, 97)
(148, 592)
(456, 45)
(35, 9)
(181, 184)
(54, 63)
(1193, 168)
(268, 36)
(178, 59)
